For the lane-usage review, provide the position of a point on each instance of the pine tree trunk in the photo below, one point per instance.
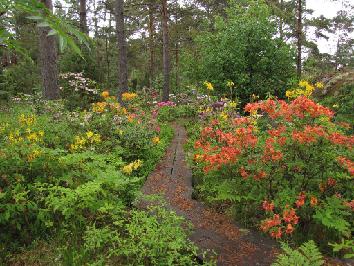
(48, 56)
(281, 30)
(151, 43)
(83, 17)
(122, 49)
(299, 36)
(166, 56)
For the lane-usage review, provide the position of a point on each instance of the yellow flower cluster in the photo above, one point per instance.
(26, 120)
(128, 169)
(99, 107)
(305, 89)
(232, 104)
(156, 140)
(206, 110)
(82, 142)
(230, 84)
(128, 96)
(35, 154)
(208, 86)
(223, 116)
(31, 136)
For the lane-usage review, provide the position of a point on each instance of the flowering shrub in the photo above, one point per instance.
(78, 91)
(305, 89)
(286, 167)
(64, 171)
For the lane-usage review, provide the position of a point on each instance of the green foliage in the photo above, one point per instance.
(341, 99)
(243, 49)
(20, 78)
(172, 113)
(66, 33)
(154, 237)
(345, 247)
(306, 255)
(66, 184)
(333, 214)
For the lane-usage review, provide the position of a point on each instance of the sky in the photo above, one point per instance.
(328, 9)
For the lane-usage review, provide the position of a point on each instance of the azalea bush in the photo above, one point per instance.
(63, 173)
(286, 168)
(78, 91)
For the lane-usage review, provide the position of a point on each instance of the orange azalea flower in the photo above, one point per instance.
(243, 173)
(331, 182)
(268, 206)
(289, 216)
(300, 200)
(105, 94)
(289, 229)
(313, 201)
(277, 233)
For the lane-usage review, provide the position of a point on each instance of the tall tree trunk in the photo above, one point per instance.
(299, 37)
(166, 55)
(151, 42)
(177, 47)
(281, 30)
(122, 49)
(48, 56)
(83, 16)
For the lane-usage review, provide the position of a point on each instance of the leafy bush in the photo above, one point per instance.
(286, 168)
(242, 49)
(62, 184)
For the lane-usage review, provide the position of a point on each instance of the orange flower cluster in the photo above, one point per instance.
(221, 148)
(309, 135)
(277, 224)
(301, 107)
(268, 206)
(300, 200)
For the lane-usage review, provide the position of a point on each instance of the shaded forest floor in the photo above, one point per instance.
(212, 231)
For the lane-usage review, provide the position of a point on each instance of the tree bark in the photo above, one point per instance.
(299, 36)
(166, 55)
(83, 16)
(122, 49)
(281, 31)
(48, 56)
(151, 43)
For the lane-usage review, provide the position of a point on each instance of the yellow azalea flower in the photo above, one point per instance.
(156, 140)
(127, 96)
(89, 134)
(209, 86)
(319, 85)
(81, 142)
(129, 168)
(35, 154)
(99, 107)
(230, 84)
(303, 83)
(27, 120)
(233, 104)
(335, 106)
(105, 94)
(223, 116)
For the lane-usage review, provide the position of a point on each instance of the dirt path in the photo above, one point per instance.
(212, 230)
